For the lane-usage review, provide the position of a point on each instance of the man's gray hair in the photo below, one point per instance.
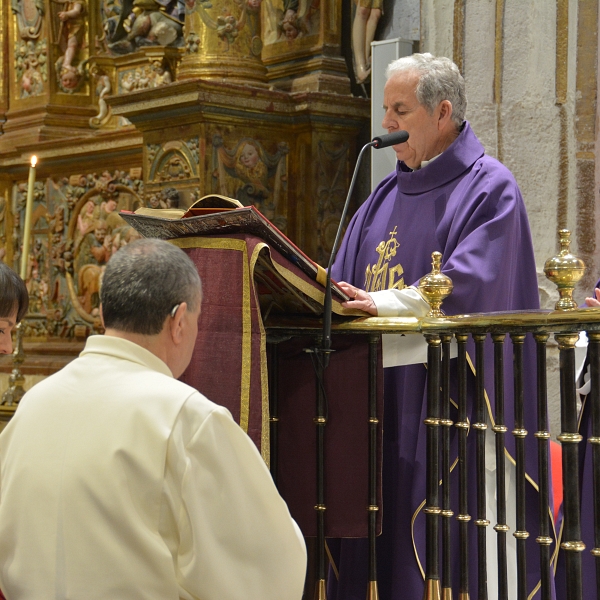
(439, 80)
(143, 282)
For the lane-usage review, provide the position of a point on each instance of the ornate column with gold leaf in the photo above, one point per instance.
(48, 89)
(223, 41)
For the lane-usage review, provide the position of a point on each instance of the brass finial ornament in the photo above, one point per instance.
(435, 286)
(564, 270)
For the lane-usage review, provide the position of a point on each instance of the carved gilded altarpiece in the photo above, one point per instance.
(157, 103)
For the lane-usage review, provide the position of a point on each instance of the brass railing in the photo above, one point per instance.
(527, 336)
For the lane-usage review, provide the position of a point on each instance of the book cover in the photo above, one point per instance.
(221, 216)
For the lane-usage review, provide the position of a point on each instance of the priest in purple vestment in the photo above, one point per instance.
(446, 195)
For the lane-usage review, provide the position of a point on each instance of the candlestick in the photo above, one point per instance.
(28, 212)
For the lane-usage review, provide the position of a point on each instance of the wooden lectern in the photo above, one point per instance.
(261, 313)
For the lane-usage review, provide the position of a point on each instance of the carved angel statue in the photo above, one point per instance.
(293, 20)
(147, 23)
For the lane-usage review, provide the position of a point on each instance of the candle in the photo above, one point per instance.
(28, 211)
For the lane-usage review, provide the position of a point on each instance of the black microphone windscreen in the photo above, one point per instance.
(390, 139)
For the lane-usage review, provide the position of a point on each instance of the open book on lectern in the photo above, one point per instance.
(216, 215)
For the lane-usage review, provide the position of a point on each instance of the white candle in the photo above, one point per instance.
(28, 211)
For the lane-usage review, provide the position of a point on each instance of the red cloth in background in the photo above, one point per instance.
(556, 461)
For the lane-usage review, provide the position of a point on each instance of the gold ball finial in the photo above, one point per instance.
(435, 286)
(564, 270)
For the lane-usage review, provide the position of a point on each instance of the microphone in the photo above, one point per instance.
(390, 139)
(383, 141)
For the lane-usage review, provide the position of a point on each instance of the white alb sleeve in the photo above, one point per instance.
(407, 302)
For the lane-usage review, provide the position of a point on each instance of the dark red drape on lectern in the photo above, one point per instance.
(229, 366)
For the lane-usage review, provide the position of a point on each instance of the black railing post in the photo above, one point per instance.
(520, 433)
(372, 591)
(501, 528)
(447, 512)
(570, 438)
(594, 398)
(462, 424)
(432, 509)
(543, 437)
(480, 427)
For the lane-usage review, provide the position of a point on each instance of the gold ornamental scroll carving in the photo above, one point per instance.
(223, 41)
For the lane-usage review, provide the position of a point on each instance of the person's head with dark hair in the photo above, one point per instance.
(151, 294)
(14, 301)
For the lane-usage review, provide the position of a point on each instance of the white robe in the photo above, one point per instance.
(118, 481)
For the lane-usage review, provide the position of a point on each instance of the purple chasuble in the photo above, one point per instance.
(467, 206)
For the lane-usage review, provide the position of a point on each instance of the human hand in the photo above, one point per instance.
(595, 302)
(360, 299)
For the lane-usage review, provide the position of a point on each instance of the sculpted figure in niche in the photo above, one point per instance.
(29, 15)
(296, 18)
(148, 23)
(251, 169)
(364, 25)
(32, 83)
(30, 66)
(252, 176)
(70, 38)
(94, 252)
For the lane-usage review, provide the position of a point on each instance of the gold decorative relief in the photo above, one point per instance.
(247, 172)
(174, 161)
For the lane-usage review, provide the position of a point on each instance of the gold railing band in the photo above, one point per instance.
(594, 440)
(520, 433)
(447, 513)
(569, 438)
(521, 535)
(573, 546)
(595, 551)
(480, 426)
(432, 510)
(320, 420)
(499, 429)
(544, 540)
(373, 507)
(481, 522)
(321, 507)
(542, 435)
(432, 422)
(373, 420)
(446, 422)
(463, 518)
(461, 425)
(499, 528)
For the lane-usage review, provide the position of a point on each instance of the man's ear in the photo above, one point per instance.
(445, 113)
(102, 317)
(176, 324)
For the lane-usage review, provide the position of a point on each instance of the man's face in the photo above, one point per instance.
(7, 324)
(403, 111)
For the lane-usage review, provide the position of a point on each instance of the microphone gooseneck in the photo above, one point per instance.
(384, 141)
